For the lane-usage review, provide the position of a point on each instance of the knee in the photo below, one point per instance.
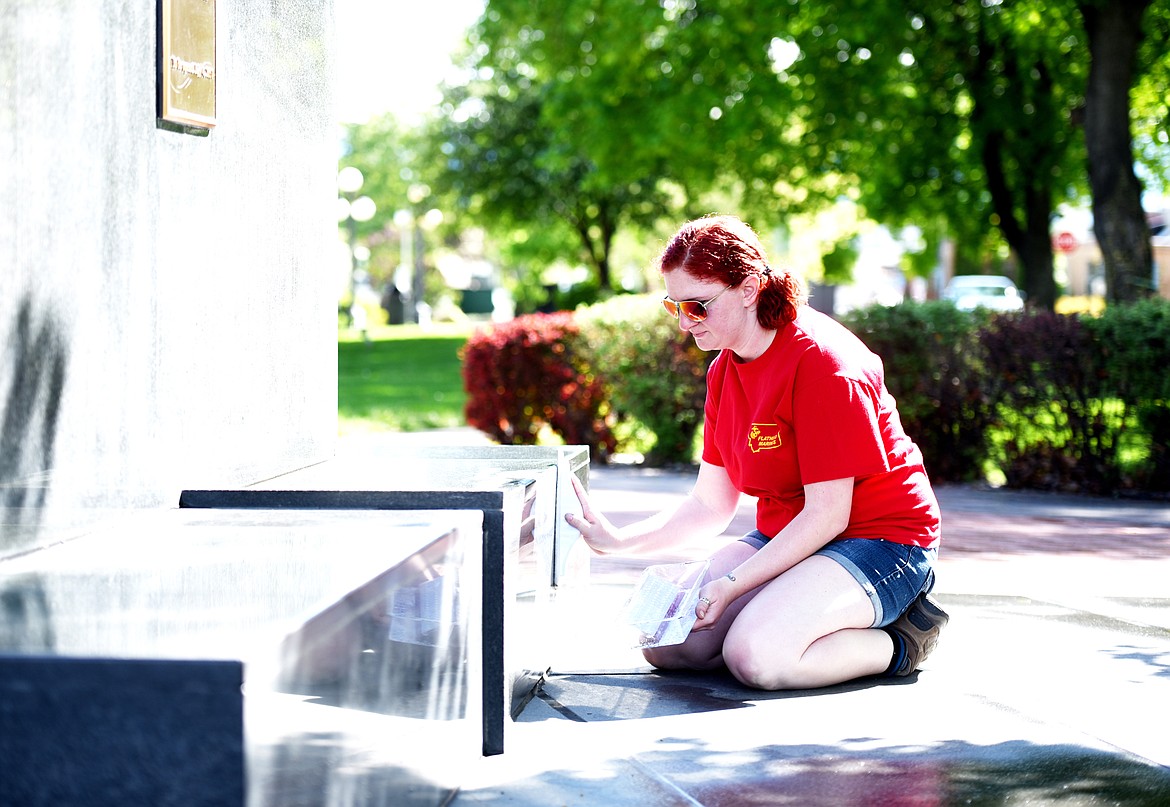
(757, 666)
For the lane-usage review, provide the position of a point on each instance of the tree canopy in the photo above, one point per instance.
(963, 118)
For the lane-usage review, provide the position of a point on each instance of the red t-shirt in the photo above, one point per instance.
(814, 407)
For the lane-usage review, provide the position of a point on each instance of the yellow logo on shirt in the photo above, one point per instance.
(763, 436)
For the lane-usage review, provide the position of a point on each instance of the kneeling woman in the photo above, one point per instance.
(832, 585)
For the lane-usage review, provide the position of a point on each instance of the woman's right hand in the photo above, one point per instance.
(594, 527)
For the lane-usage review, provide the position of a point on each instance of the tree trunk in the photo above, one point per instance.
(1030, 239)
(1114, 30)
(1035, 251)
(1018, 169)
(596, 252)
(597, 230)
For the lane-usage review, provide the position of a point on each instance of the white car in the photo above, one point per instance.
(994, 292)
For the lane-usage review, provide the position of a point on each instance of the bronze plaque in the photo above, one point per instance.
(187, 62)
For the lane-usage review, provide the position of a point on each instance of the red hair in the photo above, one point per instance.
(726, 250)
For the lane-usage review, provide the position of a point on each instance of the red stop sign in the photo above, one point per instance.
(1066, 242)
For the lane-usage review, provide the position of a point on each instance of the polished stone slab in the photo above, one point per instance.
(102, 731)
(123, 653)
(534, 562)
(437, 472)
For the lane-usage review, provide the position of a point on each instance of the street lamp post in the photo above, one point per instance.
(410, 278)
(353, 209)
(424, 223)
(404, 220)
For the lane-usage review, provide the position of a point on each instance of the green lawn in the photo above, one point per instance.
(403, 379)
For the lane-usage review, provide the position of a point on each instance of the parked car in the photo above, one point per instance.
(995, 292)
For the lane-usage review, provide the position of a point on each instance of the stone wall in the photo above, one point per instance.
(167, 317)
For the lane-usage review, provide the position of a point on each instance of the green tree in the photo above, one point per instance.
(397, 176)
(1115, 32)
(384, 152)
(947, 112)
(970, 112)
(959, 117)
(504, 160)
(1150, 102)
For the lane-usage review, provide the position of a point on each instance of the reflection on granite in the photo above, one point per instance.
(529, 550)
(397, 647)
(458, 470)
(131, 644)
(305, 753)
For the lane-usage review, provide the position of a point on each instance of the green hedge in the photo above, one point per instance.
(654, 375)
(1067, 402)
(1053, 402)
(1135, 348)
(934, 369)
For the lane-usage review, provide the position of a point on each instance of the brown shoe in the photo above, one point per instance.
(919, 628)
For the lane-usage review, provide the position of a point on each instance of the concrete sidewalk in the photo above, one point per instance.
(1051, 684)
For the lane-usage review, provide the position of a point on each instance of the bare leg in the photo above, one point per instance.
(704, 650)
(807, 628)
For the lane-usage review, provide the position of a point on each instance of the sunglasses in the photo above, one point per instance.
(694, 310)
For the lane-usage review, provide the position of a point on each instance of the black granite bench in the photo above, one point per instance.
(125, 655)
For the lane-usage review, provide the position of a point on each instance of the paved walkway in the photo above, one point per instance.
(1051, 684)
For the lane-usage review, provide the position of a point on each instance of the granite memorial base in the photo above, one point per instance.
(532, 559)
(121, 731)
(353, 635)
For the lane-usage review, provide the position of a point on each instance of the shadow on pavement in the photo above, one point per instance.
(602, 697)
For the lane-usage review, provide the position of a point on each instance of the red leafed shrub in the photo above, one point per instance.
(524, 375)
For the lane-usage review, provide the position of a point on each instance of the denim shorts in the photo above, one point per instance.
(892, 574)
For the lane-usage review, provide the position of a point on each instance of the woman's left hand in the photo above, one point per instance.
(714, 597)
